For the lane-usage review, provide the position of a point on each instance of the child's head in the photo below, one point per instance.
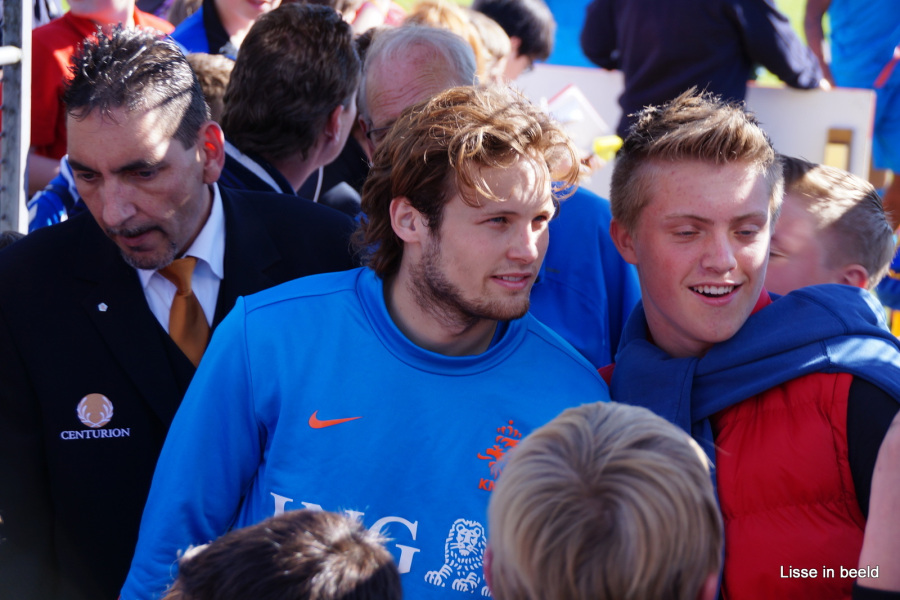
(832, 229)
(606, 501)
(452, 17)
(496, 45)
(693, 194)
(298, 555)
(530, 26)
(213, 72)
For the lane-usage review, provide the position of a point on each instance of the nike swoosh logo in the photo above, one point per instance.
(316, 423)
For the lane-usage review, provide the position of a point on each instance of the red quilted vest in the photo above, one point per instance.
(786, 491)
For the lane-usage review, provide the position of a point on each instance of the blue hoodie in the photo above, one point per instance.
(818, 329)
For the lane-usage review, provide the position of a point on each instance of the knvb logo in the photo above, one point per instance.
(508, 438)
(95, 411)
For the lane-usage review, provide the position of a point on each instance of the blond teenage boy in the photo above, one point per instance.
(791, 397)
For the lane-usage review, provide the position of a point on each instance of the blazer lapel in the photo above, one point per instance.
(114, 301)
(249, 253)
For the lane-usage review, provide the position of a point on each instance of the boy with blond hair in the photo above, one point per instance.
(832, 229)
(606, 501)
(790, 396)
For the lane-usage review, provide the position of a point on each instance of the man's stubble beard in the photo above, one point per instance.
(151, 263)
(441, 298)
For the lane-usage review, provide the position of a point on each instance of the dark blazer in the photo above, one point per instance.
(74, 321)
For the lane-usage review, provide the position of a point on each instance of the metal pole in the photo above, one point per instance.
(16, 136)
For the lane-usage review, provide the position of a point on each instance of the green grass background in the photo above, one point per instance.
(794, 10)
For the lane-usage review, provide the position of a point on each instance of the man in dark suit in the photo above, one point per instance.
(93, 360)
(281, 138)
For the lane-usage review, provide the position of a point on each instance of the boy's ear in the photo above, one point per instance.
(856, 275)
(623, 240)
(710, 587)
(488, 561)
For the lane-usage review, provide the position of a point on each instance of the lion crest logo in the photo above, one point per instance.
(463, 558)
(95, 410)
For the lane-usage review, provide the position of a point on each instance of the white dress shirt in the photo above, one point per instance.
(209, 249)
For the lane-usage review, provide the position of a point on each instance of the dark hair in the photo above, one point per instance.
(136, 69)
(8, 238)
(529, 20)
(296, 65)
(341, 6)
(298, 555)
(364, 41)
(437, 148)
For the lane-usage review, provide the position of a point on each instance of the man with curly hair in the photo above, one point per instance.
(392, 391)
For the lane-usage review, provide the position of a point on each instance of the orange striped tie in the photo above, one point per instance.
(187, 322)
